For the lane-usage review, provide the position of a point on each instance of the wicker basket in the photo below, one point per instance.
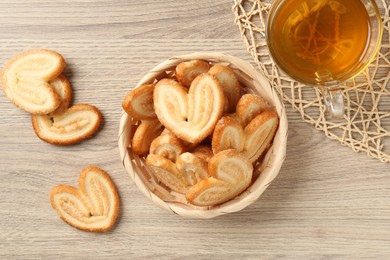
(251, 82)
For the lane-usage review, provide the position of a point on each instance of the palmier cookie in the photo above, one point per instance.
(69, 127)
(65, 125)
(187, 71)
(192, 167)
(231, 174)
(139, 103)
(93, 207)
(252, 141)
(230, 85)
(259, 134)
(228, 134)
(249, 106)
(191, 117)
(26, 80)
(144, 135)
(167, 173)
(168, 146)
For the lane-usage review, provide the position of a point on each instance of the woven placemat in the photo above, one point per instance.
(366, 123)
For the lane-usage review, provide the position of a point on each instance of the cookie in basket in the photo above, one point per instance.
(144, 135)
(139, 103)
(191, 115)
(187, 71)
(231, 174)
(230, 85)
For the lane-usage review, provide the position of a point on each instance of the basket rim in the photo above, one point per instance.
(276, 154)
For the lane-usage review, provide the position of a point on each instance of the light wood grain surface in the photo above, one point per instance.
(327, 202)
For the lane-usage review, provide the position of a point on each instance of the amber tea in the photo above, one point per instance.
(318, 41)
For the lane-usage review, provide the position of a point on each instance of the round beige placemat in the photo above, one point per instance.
(366, 123)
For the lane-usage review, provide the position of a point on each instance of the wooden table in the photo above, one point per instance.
(327, 202)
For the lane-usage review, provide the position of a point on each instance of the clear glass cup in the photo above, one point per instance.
(323, 43)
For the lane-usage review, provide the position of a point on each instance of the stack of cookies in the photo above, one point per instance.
(199, 133)
(34, 82)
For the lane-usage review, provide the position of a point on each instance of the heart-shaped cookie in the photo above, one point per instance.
(231, 174)
(252, 141)
(190, 116)
(188, 169)
(93, 207)
(166, 172)
(67, 126)
(26, 80)
(72, 126)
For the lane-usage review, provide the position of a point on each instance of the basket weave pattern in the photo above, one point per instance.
(252, 82)
(366, 123)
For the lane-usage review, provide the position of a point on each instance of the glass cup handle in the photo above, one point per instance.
(334, 102)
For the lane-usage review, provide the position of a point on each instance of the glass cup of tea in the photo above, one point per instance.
(323, 43)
